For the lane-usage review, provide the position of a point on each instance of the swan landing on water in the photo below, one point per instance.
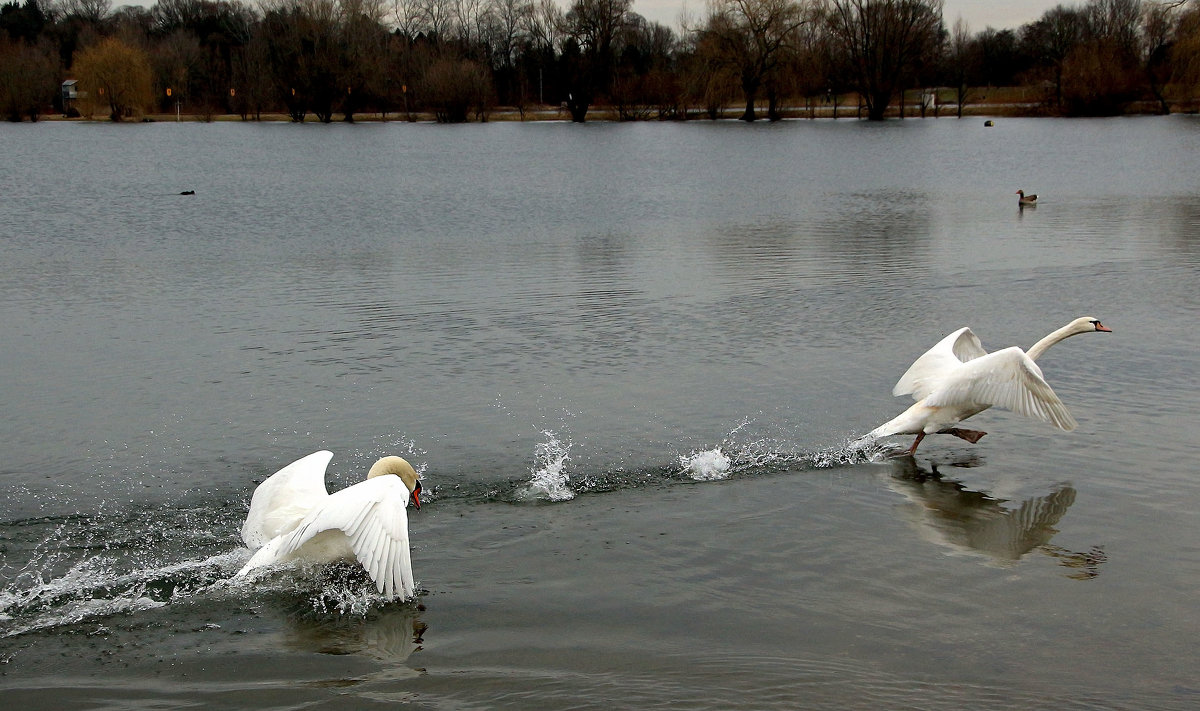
(957, 378)
(292, 517)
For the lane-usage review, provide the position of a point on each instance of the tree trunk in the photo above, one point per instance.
(578, 109)
(748, 114)
(877, 104)
(773, 106)
(750, 89)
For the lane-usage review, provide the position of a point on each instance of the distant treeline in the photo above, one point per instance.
(458, 59)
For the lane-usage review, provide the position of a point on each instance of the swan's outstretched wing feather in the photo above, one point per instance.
(939, 362)
(282, 501)
(1008, 379)
(372, 515)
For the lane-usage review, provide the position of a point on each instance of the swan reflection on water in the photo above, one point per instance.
(973, 522)
(389, 636)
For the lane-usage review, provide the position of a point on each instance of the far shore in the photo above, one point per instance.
(1004, 102)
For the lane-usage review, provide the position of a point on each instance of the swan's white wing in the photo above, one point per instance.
(923, 376)
(372, 515)
(1009, 379)
(281, 502)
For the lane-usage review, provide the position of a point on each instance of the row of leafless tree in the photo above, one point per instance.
(456, 59)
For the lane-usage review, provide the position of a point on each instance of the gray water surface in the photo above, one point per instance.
(630, 361)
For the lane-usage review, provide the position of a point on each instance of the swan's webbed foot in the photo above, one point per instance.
(911, 450)
(971, 436)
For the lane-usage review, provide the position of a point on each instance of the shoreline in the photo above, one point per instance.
(1008, 103)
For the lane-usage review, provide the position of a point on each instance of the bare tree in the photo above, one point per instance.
(436, 18)
(363, 43)
(407, 17)
(1185, 54)
(176, 59)
(884, 42)
(28, 74)
(303, 49)
(507, 22)
(959, 53)
(594, 25)
(469, 21)
(455, 88)
(1117, 23)
(93, 11)
(546, 25)
(1101, 75)
(1159, 23)
(1051, 39)
(753, 38)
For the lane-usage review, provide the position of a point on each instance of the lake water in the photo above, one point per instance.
(630, 361)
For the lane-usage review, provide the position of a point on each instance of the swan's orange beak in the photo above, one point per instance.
(1102, 328)
(416, 496)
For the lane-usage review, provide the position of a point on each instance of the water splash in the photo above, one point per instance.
(550, 480)
(708, 465)
(861, 450)
(95, 588)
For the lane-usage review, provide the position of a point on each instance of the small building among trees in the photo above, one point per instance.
(70, 94)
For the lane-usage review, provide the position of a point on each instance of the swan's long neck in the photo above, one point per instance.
(1041, 346)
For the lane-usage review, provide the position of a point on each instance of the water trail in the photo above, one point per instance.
(735, 455)
(94, 588)
(82, 568)
(550, 479)
(859, 450)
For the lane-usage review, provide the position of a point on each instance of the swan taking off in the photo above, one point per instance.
(293, 517)
(957, 378)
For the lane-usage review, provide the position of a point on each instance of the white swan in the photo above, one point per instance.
(292, 517)
(957, 378)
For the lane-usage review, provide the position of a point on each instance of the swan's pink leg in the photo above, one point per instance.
(971, 436)
(913, 448)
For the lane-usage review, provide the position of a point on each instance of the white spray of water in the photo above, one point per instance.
(708, 465)
(550, 480)
(92, 589)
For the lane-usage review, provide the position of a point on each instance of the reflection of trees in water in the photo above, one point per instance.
(1184, 230)
(835, 265)
(973, 522)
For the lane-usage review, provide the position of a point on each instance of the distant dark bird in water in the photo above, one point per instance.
(957, 379)
(1026, 200)
(188, 192)
(988, 123)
